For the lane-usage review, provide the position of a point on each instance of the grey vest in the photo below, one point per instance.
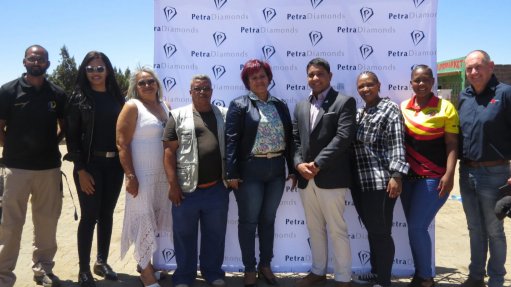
(187, 155)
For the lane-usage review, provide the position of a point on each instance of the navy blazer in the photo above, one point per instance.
(241, 126)
(329, 142)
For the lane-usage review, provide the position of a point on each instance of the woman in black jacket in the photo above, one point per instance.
(91, 117)
(258, 145)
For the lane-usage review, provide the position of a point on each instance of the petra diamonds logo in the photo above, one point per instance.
(169, 49)
(218, 71)
(220, 3)
(269, 14)
(219, 38)
(170, 12)
(268, 51)
(417, 36)
(366, 13)
(315, 37)
(316, 3)
(169, 83)
(366, 51)
(417, 3)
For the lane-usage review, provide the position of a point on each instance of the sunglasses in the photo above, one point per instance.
(95, 69)
(202, 89)
(34, 59)
(148, 82)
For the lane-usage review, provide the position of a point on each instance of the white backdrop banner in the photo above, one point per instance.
(216, 37)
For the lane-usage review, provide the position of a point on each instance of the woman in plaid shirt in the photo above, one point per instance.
(380, 163)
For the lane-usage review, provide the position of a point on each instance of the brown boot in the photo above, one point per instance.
(342, 284)
(311, 279)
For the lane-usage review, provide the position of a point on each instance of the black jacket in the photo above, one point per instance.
(241, 129)
(329, 142)
(79, 128)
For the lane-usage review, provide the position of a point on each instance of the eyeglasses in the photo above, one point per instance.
(202, 89)
(33, 59)
(95, 69)
(148, 82)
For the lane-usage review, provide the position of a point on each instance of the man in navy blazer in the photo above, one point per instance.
(323, 129)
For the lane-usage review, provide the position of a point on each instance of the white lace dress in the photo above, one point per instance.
(149, 214)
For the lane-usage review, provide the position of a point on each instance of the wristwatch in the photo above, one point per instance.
(396, 174)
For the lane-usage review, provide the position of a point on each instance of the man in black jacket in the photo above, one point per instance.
(323, 130)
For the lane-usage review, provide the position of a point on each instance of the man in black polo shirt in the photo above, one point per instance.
(30, 109)
(485, 121)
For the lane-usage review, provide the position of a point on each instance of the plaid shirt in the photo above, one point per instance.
(379, 146)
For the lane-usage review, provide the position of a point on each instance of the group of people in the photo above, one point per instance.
(179, 166)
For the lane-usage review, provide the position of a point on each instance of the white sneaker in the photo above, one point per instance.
(364, 278)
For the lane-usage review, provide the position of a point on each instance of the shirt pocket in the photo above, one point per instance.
(370, 128)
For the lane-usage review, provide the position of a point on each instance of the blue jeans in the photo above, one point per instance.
(208, 206)
(258, 198)
(479, 193)
(420, 204)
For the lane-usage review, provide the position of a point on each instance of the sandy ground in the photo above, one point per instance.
(452, 249)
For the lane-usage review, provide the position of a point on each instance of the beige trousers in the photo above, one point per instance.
(44, 189)
(324, 213)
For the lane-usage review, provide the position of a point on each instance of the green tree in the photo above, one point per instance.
(66, 72)
(123, 79)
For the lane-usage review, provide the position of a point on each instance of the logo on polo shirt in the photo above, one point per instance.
(170, 12)
(219, 38)
(316, 3)
(315, 37)
(364, 257)
(268, 51)
(220, 3)
(269, 14)
(218, 71)
(52, 106)
(366, 51)
(366, 13)
(170, 49)
(417, 36)
(169, 83)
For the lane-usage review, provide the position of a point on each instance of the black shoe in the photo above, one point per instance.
(270, 279)
(471, 282)
(85, 279)
(47, 280)
(104, 270)
(421, 282)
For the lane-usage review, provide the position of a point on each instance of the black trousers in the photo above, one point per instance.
(376, 210)
(98, 208)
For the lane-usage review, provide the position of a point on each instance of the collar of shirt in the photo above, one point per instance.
(432, 103)
(318, 101)
(254, 97)
(491, 86)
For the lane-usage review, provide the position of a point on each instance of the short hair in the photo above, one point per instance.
(368, 73)
(424, 67)
(200, 77)
(253, 66)
(486, 56)
(38, 47)
(319, 62)
(82, 82)
(132, 89)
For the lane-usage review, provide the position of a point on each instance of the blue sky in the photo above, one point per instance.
(123, 30)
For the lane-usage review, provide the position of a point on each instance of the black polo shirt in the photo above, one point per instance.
(485, 122)
(31, 124)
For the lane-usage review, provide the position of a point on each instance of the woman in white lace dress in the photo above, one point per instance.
(139, 131)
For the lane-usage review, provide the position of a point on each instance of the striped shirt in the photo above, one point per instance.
(425, 135)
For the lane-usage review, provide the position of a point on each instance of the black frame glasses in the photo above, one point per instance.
(95, 69)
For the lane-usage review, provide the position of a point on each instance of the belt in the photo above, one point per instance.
(107, 154)
(207, 185)
(489, 163)
(269, 155)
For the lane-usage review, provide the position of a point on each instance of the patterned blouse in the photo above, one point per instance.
(270, 137)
